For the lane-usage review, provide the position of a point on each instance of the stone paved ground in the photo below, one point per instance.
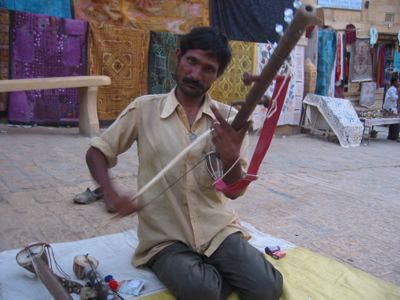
(343, 203)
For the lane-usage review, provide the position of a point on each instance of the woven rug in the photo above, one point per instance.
(176, 16)
(106, 11)
(121, 53)
(162, 62)
(44, 46)
(229, 86)
(361, 61)
(59, 8)
(4, 48)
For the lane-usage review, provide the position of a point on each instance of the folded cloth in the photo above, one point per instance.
(88, 196)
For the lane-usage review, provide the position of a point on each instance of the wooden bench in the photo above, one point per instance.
(87, 87)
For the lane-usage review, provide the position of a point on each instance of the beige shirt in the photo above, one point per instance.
(191, 210)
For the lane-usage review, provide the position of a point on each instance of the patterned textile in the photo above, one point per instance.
(326, 60)
(59, 8)
(4, 48)
(341, 117)
(229, 86)
(250, 20)
(361, 61)
(176, 16)
(101, 11)
(122, 54)
(46, 47)
(367, 96)
(161, 62)
(291, 110)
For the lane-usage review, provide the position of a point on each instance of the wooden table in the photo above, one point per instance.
(87, 87)
(369, 123)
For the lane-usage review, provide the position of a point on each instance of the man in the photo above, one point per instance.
(390, 107)
(187, 235)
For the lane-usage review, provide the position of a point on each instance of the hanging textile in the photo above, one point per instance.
(162, 62)
(176, 16)
(250, 20)
(229, 86)
(4, 48)
(59, 8)
(98, 11)
(121, 53)
(44, 46)
(361, 61)
(326, 60)
(350, 34)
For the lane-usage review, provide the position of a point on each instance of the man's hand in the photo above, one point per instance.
(123, 205)
(227, 140)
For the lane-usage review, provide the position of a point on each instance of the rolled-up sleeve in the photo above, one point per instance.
(120, 136)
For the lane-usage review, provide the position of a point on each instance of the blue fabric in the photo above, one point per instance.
(326, 60)
(57, 8)
(249, 20)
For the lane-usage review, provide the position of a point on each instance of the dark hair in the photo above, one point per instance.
(210, 40)
(393, 80)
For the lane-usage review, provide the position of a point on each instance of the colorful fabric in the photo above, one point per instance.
(229, 86)
(250, 20)
(326, 60)
(121, 53)
(45, 46)
(4, 49)
(351, 34)
(106, 11)
(361, 61)
(162, 62)
(176, 16)
(59, 8)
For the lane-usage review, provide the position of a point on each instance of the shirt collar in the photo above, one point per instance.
(172, 103)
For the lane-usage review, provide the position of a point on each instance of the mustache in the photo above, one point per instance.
(189, 80)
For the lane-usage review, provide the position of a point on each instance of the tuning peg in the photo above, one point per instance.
(279, 29)
(288, 15)
(297, 4)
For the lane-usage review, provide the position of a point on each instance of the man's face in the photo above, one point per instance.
(195, 72)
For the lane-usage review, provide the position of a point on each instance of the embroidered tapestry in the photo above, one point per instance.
(326, 60)
(58, 8)
(229, 86)
(361, 61)
(4, 48)
(101, 11)
(176, 16)
(291, 109)
(162, 62)
(44, 46)
(121, 53)
(250, 20)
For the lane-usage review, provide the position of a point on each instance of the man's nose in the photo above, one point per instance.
(196, 73)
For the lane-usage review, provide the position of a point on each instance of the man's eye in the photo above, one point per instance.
(191, 60)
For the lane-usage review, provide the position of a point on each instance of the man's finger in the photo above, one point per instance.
(218, 115)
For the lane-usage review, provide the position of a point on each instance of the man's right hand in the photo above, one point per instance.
(123, 205)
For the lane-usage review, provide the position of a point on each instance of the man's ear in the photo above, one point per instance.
(178, 54)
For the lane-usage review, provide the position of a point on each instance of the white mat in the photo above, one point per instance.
(114, 253)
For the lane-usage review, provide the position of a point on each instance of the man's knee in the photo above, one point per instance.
(267, 287)
(200, 290)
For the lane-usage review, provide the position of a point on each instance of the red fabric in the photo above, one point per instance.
(339, 49)
(263, 143)
(309, 30)
(381, 67)
(350, 34)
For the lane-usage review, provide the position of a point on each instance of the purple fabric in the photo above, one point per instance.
(44, 46)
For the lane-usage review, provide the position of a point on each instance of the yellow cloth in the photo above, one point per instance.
(187, 208)
(121, 53)
(229, 86)
(309, 275)
(176, 16)
(101, 11)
